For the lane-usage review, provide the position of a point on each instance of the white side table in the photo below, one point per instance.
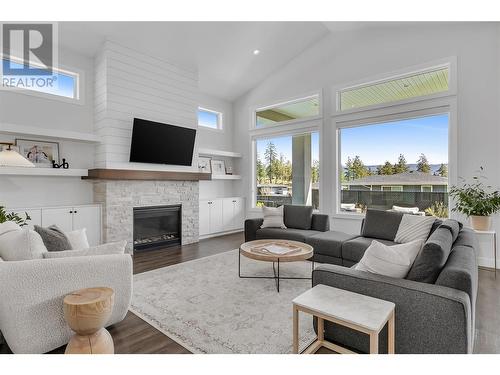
(356, 311)
(487, 245)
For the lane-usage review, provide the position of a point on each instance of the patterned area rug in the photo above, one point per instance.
(207, 308)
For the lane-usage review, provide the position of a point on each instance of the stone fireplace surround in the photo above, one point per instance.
(119, 197)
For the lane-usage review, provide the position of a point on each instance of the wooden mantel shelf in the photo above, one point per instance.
(131, 174)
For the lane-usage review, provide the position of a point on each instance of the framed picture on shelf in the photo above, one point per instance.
(204, 164)
(218, 167)
(40, 153)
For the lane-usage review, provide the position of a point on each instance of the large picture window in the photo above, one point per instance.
(287, 170)
(398, 165)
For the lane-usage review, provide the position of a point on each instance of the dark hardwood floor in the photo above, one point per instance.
(135, 336)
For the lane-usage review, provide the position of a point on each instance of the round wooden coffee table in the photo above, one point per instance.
(248, 250)
(87, 311)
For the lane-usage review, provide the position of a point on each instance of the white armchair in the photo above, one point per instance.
(32, 293)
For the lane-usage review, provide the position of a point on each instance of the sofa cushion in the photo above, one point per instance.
(53, 238)
(453, 226)
(285, 234)
(413, 227)
(104, 249)
(22, 244)
(381, 224)
(392, 261)
(8, 226)
(432, 257)
(298, 217)
(466, 237)
(329, 243)
(353, 250)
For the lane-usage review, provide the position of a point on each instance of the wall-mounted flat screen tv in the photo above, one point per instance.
(158, 143)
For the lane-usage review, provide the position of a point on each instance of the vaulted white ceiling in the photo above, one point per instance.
(222, 52)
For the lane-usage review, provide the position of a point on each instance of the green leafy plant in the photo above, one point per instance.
(21, 221)
(438, 209)
(476, 198)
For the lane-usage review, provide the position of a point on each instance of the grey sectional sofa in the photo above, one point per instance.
(435, 303)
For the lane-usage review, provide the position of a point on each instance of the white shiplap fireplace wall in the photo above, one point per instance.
(130, 84)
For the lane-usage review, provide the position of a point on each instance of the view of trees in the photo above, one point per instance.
(278, 169)
(355, 168)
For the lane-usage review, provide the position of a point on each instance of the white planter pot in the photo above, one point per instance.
(480, 222)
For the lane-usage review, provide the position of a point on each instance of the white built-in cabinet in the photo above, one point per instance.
(68, 218)
(221, 215)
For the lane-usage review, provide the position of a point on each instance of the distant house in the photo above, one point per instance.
(404, 182)
(273, 189)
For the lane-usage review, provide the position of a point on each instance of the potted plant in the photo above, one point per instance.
(477, 201)
(21, 221)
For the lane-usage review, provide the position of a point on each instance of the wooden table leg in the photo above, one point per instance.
(295, 330)
(390, 334)
(374, 343)
(321, 329)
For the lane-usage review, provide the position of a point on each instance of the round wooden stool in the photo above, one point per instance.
(87, 311)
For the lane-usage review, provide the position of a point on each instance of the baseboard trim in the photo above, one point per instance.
(220, 234)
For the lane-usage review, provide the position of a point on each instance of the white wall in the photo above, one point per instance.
(353, 56)
(33, 111)
(131, 84)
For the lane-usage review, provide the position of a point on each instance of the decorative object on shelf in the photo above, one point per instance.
(87, 311)
(12, 216)
(218, 167)
(204, 164)
(229, 170)
(477, 201)
(10, 157)
(40, 153)
(63, 165)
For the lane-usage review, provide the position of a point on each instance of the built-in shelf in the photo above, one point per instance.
(211, 152)
(226, 177)
(134, 174)
(32, 131)
(46, 172)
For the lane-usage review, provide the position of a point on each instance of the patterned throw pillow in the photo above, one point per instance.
(414, 227)
(273, 217)
(392, 261)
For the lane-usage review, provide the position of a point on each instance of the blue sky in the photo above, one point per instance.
(63, 84)
(284, 146)
(377, 143)
(208, 119)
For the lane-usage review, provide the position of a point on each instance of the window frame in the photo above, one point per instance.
(391, 188)
(450, 62)
(426, 186)
(220, 119)
(292, 100)
(420, 108)
(79, 90)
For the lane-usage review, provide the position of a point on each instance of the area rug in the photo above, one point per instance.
(207, 308)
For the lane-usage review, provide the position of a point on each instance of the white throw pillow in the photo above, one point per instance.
(273, 217)
(8, 226)
(393, 261)
(21, 244)
(413, 228)
(105, 249)
(78, 239)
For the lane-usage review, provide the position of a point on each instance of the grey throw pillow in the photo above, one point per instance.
(432, 258)
(53, 238)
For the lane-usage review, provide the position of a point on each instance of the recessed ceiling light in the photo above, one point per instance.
(256, 51)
